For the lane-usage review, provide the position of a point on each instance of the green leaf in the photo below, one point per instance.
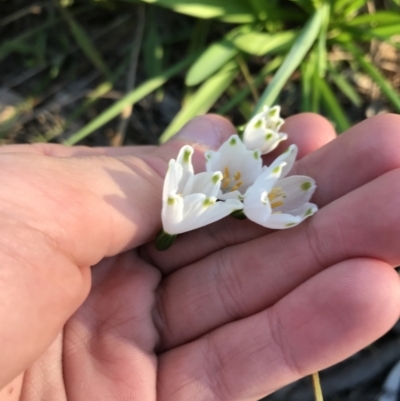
(10, 45)
(139, 93)
(345, 87)
(295, 56)
(239, 96)
(208, 8)
(375, 74)
(84, 42)
(354, 6)
(307, 68)
(259, 43)
(339, 5)
(385, 31)
(153, 50)
(212, 59)
(306, 5)
(379, 17)
(199, 35)
(334, 109)
(322, 48)
(203, 99)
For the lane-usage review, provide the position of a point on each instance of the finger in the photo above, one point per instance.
(241, 280)
(205, 132)
(309, 132)
(56, 150)
(58, 217)
(344, 164)
(364, 152)
(320, 323)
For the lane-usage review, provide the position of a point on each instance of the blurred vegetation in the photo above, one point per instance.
(135, 71)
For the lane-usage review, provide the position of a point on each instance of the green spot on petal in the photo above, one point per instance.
(309, 212)
(273, 112)
(276, 170)
(268, 136)
(170, 201)
(258, 124)
(232, 141)
(208, 202)
(256, 154)
(208, 156)
(305, 186)
(215, 178)
(186, 156)
(290, 224)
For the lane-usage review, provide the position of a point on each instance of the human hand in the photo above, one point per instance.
(232, 311)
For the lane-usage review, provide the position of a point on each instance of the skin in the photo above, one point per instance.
(232, 311)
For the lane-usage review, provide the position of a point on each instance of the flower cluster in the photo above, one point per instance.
(236, 181)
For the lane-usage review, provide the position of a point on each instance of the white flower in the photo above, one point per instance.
(277, 202)
(190, 200)
(240, 167)
(262, 130)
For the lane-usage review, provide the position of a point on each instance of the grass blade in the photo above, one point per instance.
(152, 49)
(345, 87)
(379, 17)
(375, 74)
(10, 45)
(84, 42)
(240, 96)
(260, 43)
(295, 56)
(209, 8)
(322, 50)
(334, 109)
(212, 59)
(307, 71)
(203, 99)
(139, 93)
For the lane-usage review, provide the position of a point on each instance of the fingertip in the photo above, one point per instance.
(204, 132)
(346, 307)
(210, 131)
(309, 131)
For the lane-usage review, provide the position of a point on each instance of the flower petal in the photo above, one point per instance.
(230, 195)
(268, 177)
(172, 214)
(219, 210)
(293, 192)
(172, 179)
(185, 160)
(289, 157)
(264, 139)
(256, 205)
(206, 183)
(284, 220)
(262, 130)
(194, 211)
(238, 164)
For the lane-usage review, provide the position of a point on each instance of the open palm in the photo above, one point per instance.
(232, 311)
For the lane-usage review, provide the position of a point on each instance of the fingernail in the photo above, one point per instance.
(210, 130)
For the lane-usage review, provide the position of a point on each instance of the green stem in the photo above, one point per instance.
(164, 240)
